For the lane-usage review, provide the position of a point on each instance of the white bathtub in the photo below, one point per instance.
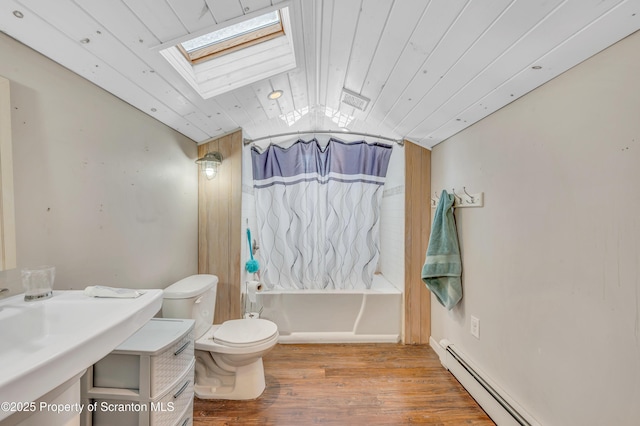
(336, 316)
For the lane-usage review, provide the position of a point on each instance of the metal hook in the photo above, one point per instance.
(434, 201)
(456, 195)
(464, 188)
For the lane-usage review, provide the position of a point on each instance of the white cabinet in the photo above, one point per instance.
(147, 380)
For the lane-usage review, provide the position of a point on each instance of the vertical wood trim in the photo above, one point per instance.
(219, 224)
(424, 212)
(417, 321)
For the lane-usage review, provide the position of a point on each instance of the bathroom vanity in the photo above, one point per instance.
(48, 344)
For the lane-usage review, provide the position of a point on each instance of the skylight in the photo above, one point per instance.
(243, 34)
(235, 56)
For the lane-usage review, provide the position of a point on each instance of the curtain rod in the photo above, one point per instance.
(332, 132)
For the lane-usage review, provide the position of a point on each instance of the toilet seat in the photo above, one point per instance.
(211, 343)
(242, 333)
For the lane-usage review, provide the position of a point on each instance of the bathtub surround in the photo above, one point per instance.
(318, 213)
(103, 192)
(391, 265)
(336, 316)
(392, 220)
(551, 263)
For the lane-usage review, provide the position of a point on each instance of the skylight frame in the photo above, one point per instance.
(234, 43)
(240, 68)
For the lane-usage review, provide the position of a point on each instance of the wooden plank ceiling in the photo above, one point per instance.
(429, 68)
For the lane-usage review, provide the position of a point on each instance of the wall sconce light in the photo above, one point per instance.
(209, 164)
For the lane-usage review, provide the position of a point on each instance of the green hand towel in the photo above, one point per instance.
(442, 266)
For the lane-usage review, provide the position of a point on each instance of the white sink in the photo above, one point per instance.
(45, 343)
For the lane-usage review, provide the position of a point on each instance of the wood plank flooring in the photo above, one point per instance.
(350, 384)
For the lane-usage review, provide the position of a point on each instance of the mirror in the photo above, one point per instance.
(7, 212)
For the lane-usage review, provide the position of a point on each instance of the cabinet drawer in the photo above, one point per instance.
(171, 408)
(174, 408)
(187, 416)
(149, 362)
(171, 364)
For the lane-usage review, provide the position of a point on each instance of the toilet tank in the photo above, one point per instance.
(194, 298)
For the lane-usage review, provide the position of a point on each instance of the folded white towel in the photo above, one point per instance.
(102, 291)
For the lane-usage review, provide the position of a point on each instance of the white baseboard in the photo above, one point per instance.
(442, 353)
(502, 409)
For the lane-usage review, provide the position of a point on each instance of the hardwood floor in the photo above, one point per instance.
(350, 384)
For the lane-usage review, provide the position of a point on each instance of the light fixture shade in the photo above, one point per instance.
(276, 94)
(209, 164)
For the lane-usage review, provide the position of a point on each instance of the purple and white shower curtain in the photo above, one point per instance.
(318, 213)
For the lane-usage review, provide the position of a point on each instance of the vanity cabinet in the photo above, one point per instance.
(147, 380)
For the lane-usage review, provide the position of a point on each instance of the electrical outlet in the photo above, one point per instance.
(475, 327)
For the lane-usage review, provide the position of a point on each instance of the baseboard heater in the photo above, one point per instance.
(499, 406)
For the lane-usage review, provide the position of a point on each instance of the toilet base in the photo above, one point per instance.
(247, 382)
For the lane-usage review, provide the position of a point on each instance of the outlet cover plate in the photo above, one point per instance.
(475, 327)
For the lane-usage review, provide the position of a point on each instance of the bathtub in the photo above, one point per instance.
(335, 316)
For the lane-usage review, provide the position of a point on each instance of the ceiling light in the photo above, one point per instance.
(85, 41)
(536, 67)
(275, 95)
(18, 14)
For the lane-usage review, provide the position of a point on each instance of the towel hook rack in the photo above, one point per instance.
(469, 200)
(464, 188)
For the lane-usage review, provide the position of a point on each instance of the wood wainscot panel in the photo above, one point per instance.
(219, 224)
(417, 321)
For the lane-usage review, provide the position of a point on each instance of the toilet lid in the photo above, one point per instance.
(244, 332)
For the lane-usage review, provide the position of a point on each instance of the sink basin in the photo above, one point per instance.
(47, 342)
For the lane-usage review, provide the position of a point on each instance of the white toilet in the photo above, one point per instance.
(228, 356)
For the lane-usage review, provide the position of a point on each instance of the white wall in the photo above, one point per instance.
(552, 262)
(102, 191)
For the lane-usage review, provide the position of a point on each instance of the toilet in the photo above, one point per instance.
(228, 355)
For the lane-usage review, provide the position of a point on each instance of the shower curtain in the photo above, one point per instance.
(318, 213)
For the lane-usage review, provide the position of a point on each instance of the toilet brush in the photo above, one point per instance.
(252, 266)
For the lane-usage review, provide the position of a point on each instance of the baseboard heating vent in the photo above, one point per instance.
(500, 407)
